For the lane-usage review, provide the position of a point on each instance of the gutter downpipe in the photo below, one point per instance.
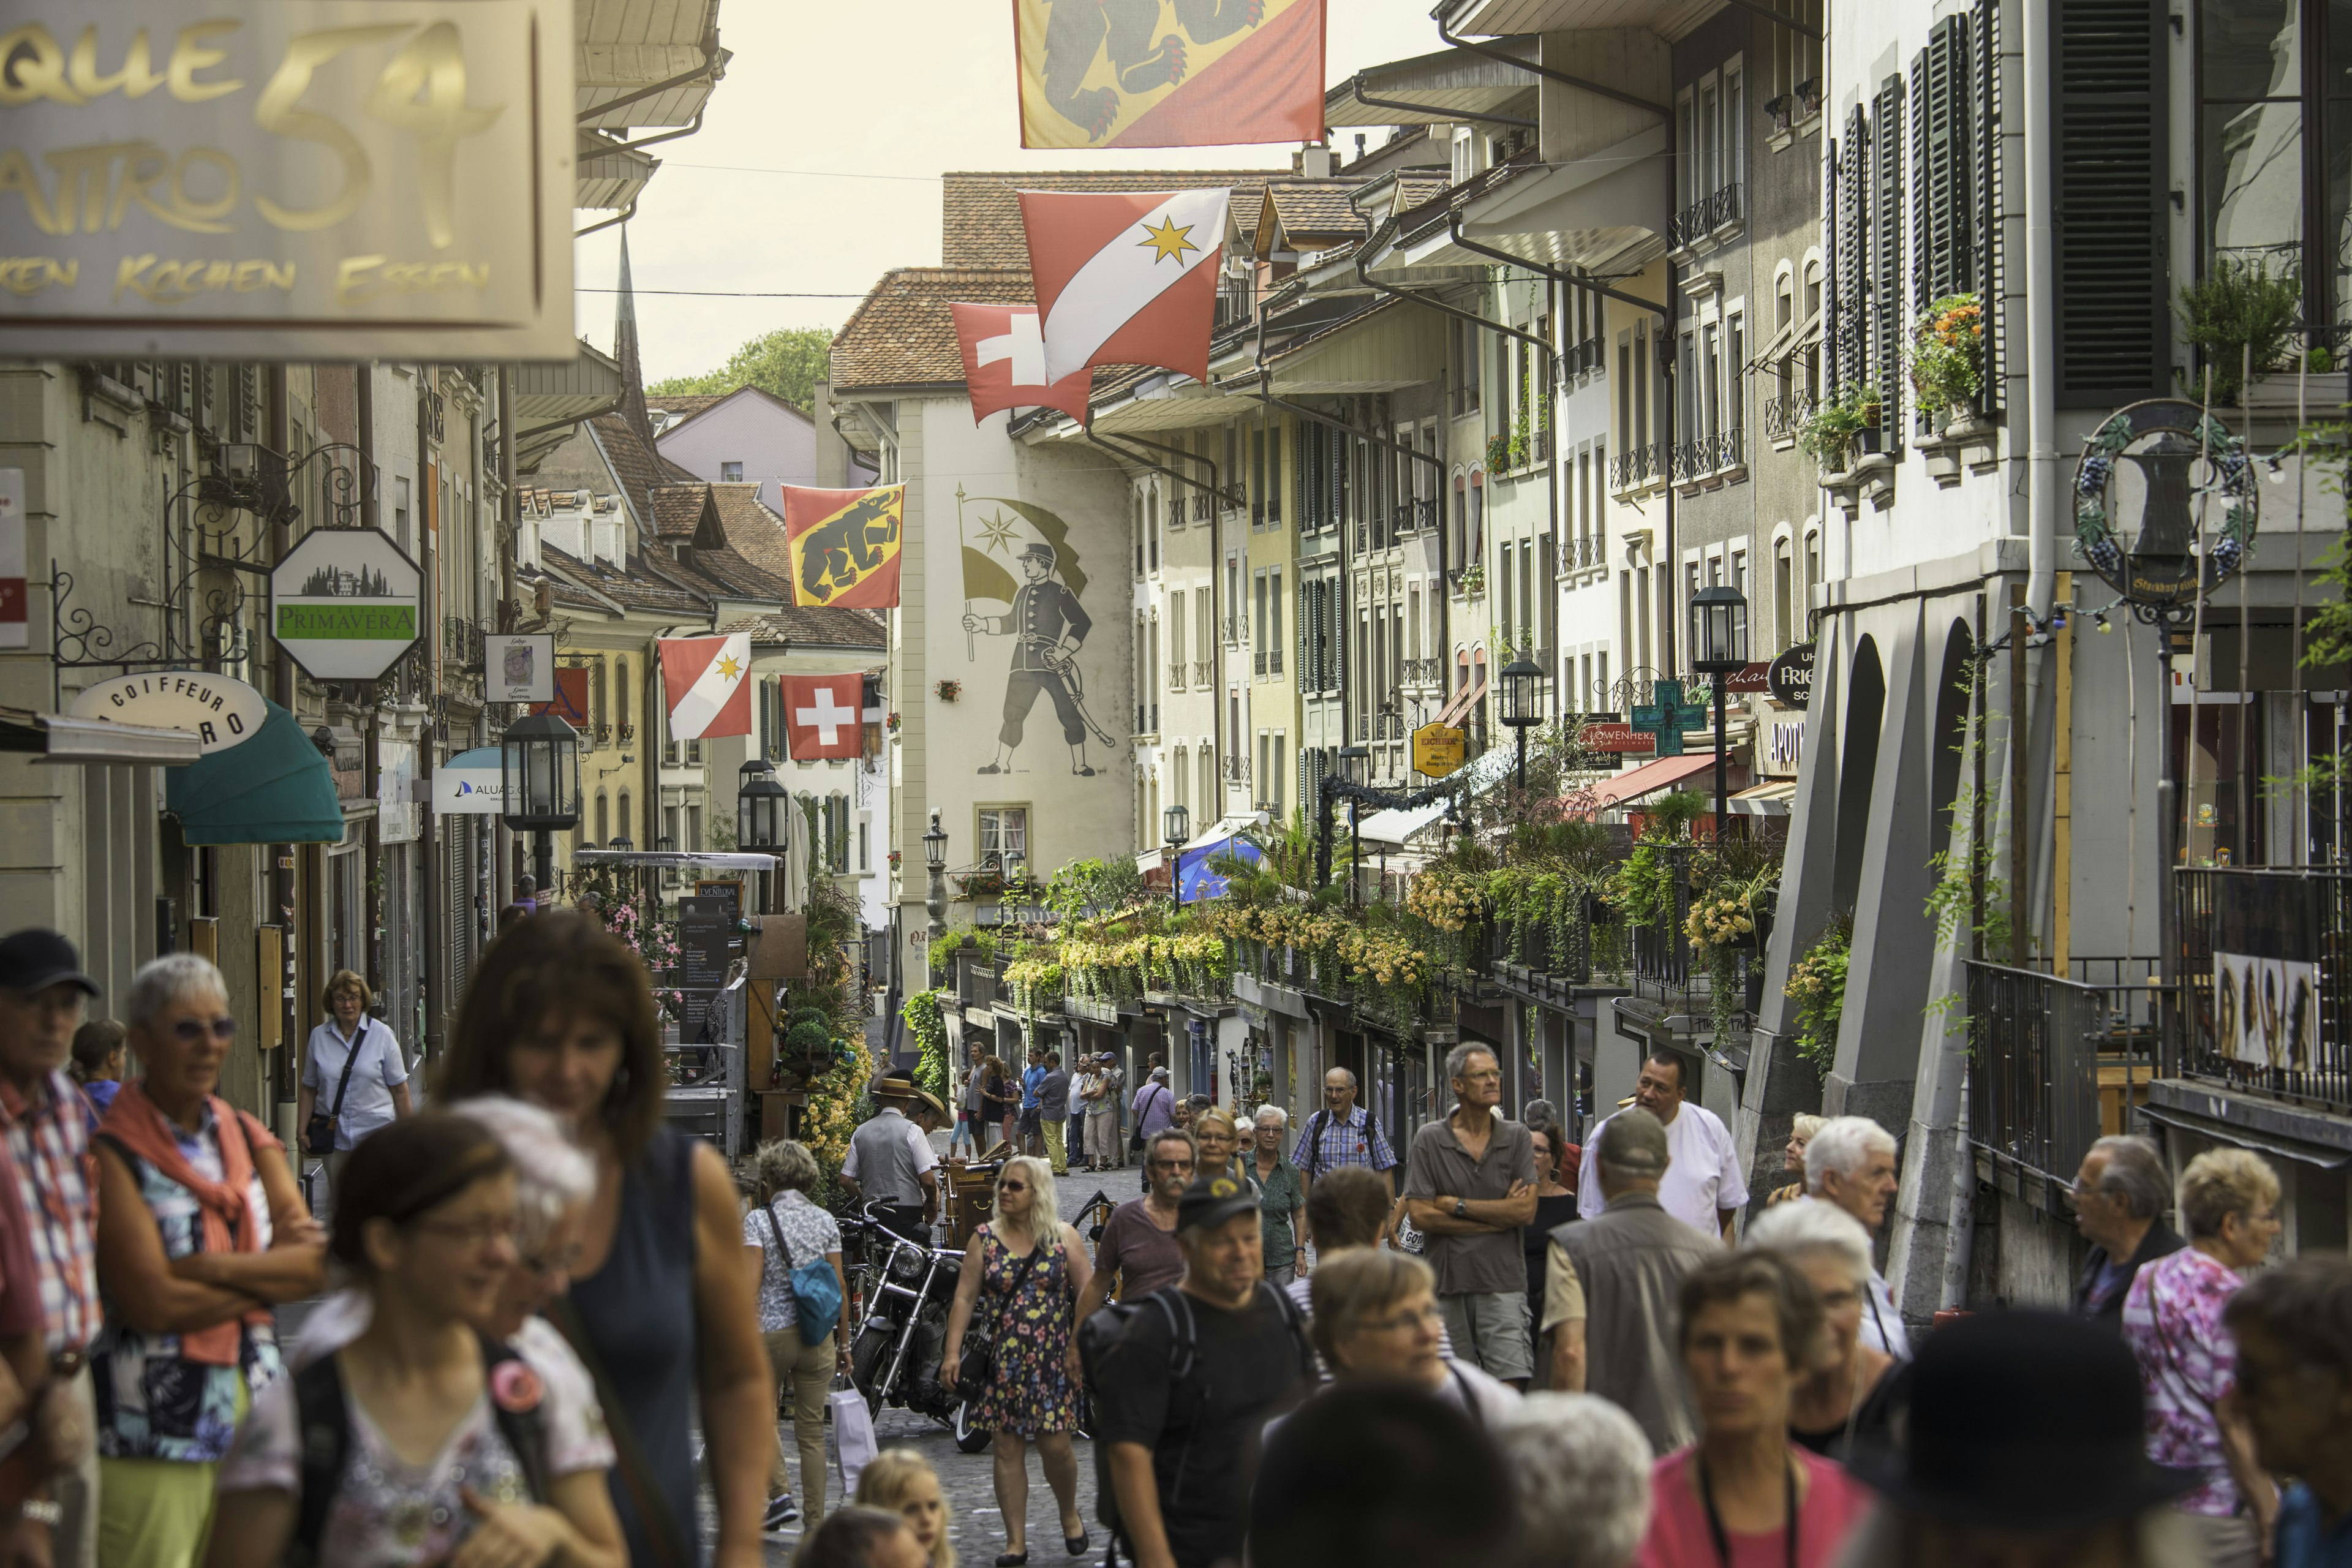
(2041, 455)
(1356, 87)
(1122, 453)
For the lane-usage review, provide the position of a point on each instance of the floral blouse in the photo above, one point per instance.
(808, 1234)
(2188, 1364)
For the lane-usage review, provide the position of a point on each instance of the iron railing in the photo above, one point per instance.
(1204, 673)
(1237, 768)
(1785, 416)
(1707, 456)
(1236, 630)
(1703, 217)
(2038, 1049)
(1424, 672)
(1237, 301)
(1176, 676)
(1579, 552)
(1582, 359)
(2265, 976)
(1638, 466)
(461, 642)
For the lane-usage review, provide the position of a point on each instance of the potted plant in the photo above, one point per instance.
(1832, 434)
(2235, 314)
(1498, 453)
(1473, 580)
(949, 691)
(1947, 355)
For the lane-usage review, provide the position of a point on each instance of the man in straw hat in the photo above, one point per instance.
(891, 1162)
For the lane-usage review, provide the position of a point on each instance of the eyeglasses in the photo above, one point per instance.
(1493, 1074)
(188, 1031)
(1414, 1319)
(473, 1233)
(1172, 1164)
(1012, 1186)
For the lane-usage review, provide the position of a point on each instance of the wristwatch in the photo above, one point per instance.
(49, 1513)
(1462, 1208)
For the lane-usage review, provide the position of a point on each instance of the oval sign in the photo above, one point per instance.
(218, 710)
(1791, 677)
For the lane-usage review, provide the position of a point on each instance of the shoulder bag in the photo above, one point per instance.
(319, 1132)
(816, 1293)
(1135, 1138)
(978, 1363)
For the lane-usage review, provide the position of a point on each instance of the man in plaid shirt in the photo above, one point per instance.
(1341, 1133)
(44, 1127)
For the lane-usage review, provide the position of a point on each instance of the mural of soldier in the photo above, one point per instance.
(1048, 626)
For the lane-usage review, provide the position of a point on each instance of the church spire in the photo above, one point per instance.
(624, 350)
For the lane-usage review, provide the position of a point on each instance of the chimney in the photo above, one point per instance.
(1360, 147)
(1315, 162)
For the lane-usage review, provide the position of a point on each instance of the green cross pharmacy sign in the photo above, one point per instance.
(346, 603)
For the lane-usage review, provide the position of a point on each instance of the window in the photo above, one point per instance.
(1004, 830)
(603, 825)
(694, 827)
(1151, 527)
(836, 832)
(1796, 64)
(625, 825)
(1138, 536)
(1477, 543)
(400, 513)
(1273, 626)
(731, 473)
(865, 845)
(596, 696)
(1258, 619)
(1179, 777)
(1739, 572)
(1781, 600)
(1412, 623)
(1735, 367)
(1176, 639)
(1273, 474)
(621, 698)
(2274, 136)
(1813, 572)
(1208, 765)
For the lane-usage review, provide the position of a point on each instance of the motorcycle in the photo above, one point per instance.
(895, 1358)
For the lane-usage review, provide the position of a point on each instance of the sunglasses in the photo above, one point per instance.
(1012, 1186)
(188, 1031)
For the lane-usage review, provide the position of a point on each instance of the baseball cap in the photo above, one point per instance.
(1633, 1144)
(1213, 1200)
(35, 960)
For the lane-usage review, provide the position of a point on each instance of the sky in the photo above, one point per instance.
(870, 100)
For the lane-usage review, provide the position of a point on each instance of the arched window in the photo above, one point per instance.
(604, 822)
(621, 704)
(628, 824)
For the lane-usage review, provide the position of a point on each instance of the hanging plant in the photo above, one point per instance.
(1499, 452)
(1946, 353)
(949, 691)
(1828, 435)
(1817, 985)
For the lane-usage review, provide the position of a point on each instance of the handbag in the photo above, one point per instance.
(1135, 1137)
(319, 1132)
(852, 1434)
(978, 1363)
(816, 1291)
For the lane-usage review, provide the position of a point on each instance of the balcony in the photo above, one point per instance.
(1236, 302)
(461, 643)
(1708, 457)
(1424, 672)
(1260, 661)
(1539, 446)
(1204, 673)
(1236, 769)
(1638, 466)
(1581, 552)
(1200, 505)
(2295, 1047)
(1274, 660)
(2054, 1063)
(1236, 631)
(1704, 218)
(1176, 676)
(1584, 358)
(1783, 417)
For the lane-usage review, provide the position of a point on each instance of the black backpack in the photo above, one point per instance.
(322, 1412)
(1316, 1126)
(1098, 1333)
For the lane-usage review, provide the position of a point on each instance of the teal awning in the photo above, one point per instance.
(273, 789)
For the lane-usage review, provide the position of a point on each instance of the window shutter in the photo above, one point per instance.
(1853, 261)
(2110, 203)
(1336, 457)
(1298, 465)
(1985, 189)
(1925, 192)
(1886, 312)
(1950, 256)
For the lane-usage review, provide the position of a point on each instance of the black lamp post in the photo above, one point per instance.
(1355, 767)
(539, 780)
(1718, 640)
(1176, 827)
(1520, 678)
(935, 861)
(762, 824)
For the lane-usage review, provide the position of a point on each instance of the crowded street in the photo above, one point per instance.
(1176, 783)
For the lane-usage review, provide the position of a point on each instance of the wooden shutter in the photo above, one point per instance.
(2110, 201)
(1985, 189)
(1888, 318)
(1949, 258)
(1851, 273)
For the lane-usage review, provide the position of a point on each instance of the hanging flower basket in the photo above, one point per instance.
(949, 691)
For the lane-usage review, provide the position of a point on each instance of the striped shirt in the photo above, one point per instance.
(1354, 1139)
(50, 1145)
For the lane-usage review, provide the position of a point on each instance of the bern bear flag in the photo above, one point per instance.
(845, 545)
(1103, 73)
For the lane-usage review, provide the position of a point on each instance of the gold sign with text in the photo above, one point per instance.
(258, 179)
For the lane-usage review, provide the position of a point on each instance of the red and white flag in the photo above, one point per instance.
(707, 682)
(1005, 362)
(1125, 278)
(822, 718)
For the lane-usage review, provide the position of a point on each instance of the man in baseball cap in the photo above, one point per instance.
(34, 959)
(1181, 1412)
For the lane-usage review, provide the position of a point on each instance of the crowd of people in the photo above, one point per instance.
(545, 1328)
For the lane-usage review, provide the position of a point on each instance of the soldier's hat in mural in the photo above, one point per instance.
(1037, 549)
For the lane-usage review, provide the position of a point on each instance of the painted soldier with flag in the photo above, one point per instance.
(1048, 626)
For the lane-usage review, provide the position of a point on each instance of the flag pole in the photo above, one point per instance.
(970, 644)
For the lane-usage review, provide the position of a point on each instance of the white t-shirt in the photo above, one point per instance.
(388, 1513)
(1703, 1174)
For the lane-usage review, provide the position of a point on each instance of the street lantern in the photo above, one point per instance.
(1354, 764)
(1355, 768)
(1520, 677)
(1176, 827)
(761, 822)
(1718, 630)
(1719, 635)
(935, 860)
(538, 779)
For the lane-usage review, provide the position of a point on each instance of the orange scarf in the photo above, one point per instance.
(140, 1127)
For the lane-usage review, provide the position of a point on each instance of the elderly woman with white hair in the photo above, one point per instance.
(1849, 1163)
(202, 1233)
(1579, 1468)
(1281, 1197)
(1848, 1401)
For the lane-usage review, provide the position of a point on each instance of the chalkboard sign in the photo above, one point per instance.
(705, 927)
(730, 893)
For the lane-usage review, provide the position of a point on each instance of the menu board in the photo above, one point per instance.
(705, 927)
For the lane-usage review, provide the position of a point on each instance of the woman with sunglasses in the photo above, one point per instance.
(1032, 1268)
(200, 1232)
(452, 1451)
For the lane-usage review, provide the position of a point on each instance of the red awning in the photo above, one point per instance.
(1463, 701)
(1663, 774)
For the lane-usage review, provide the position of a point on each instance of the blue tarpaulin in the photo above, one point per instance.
(1194, 876)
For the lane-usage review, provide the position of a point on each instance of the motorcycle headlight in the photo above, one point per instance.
(906, 1265)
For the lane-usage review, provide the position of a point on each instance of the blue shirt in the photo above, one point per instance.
(2304, 1538)
(1030, 1080)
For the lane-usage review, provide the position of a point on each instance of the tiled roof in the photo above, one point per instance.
(636, 464)
(1313, 212)
(685, 404)
(720, 573)
(752, 530)
(981, 213)
(678, 508)
(826, 626)
(902, 334)
(635, 588)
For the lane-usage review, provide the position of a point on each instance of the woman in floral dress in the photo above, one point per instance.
(1022, 1276)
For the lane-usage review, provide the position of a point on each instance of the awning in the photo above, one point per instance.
(1195, 881)
(1770, 798)
(1399, 827)
(61, 738)
(674, 860)
(1462, 701)
(1650, 777)
(272, 789)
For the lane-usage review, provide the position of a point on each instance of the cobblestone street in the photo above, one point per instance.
(974, 1522)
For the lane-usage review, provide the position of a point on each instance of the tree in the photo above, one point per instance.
(788, 362)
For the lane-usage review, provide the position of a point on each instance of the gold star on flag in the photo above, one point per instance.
(998, 532)
(728, 668)
(1167, 241)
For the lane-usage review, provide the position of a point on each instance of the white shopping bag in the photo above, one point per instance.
(853, 1435)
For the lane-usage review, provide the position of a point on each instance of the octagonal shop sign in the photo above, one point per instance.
(346, 603)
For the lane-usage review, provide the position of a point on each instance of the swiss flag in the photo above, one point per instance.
(821, 717)
(1126, 277)
(1005, 362)
(707, 681)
